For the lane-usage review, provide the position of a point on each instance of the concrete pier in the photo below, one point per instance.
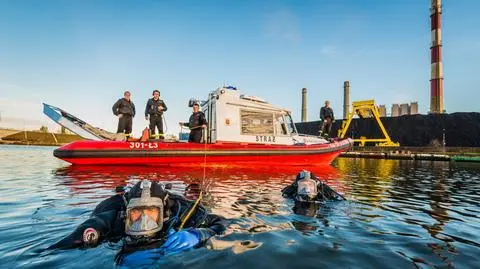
(463, 154)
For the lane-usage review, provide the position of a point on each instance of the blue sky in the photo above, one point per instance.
(81, 55)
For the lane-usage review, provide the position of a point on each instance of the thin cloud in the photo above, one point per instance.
(283, 25)
(329, 50)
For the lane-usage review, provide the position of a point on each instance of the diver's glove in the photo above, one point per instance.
(182, 240)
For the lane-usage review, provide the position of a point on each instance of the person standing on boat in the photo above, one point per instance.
(154, 112)
(327, 118)
(196, 123)
(125, 110)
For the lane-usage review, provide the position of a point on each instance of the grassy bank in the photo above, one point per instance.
(16, 137)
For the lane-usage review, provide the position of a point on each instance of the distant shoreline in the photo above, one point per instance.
(29, 143)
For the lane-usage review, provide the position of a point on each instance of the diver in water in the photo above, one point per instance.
(310, 189)
(147, 217)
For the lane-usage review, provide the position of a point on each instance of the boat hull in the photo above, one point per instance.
(181, 154)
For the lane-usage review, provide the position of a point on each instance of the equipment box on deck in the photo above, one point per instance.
(183, 137)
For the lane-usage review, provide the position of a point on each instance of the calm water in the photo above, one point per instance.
(400, 214)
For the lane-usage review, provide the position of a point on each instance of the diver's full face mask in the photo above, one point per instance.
(306, 186)
(144, 215)
(144, 220)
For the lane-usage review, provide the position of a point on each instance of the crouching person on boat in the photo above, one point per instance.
(309, 188)
(150, 220)
(196, 123)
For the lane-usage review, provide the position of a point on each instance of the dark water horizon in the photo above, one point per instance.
(399, 214)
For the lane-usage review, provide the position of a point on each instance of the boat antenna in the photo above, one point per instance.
(166, 126)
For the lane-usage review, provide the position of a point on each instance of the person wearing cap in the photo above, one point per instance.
(196, 123)
(154, 112)
(146, 217)
(124, 109)
(309, 188)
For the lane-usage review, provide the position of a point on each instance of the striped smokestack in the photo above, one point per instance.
(436, 81)
(304, 104)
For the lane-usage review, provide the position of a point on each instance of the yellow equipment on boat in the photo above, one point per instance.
(367, 109)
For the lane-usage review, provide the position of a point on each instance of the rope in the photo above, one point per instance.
(204, 158)
(190, 212)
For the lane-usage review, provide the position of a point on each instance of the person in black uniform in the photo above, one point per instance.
(154, 112)
(327, 118)
(125, 110)
(196, 123)
(144, 217)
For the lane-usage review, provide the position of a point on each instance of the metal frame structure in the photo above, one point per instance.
(367, 109)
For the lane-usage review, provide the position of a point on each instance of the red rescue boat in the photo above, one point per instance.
(242, 130)
(178, 153)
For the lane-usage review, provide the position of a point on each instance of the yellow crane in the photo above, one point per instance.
(367, 109)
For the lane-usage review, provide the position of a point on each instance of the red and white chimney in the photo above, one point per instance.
(436, 81)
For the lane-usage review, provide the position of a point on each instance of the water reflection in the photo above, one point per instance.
(422, 194)
(400, 214)
(247, 195)
(372, 178)
(255, 191)
(314, 217)
(440, 204)
(306, 209)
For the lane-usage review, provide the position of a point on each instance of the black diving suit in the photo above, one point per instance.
(108, 223)
(308, 192)
(319, 193)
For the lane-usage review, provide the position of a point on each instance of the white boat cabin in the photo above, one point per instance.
(234, 117)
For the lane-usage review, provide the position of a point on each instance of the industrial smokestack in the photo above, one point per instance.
(346, 99)
(436, 81)
(304, 104)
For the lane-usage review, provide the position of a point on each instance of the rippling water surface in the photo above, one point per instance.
(399, 214)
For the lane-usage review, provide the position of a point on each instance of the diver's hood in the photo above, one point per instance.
(144, 216)
(304, 174)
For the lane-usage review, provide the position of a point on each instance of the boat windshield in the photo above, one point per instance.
(290, 125)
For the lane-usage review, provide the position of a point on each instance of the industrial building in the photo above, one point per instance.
(404, 109)
(395, 110)
(413, 108)
(382, 110)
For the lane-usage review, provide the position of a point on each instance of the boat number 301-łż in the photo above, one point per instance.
(264, 138)
(142, 145)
